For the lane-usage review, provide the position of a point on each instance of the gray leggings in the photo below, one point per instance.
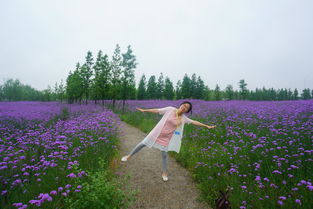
(140, 145)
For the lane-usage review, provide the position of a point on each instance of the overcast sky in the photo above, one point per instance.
(266, 42)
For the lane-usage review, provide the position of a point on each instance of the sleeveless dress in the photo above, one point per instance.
(167, 131)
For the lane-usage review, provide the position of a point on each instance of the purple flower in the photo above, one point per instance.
(53, 192)
(23, 207)
(258, 178)
(19, 204)
(276, 171)
(266, 179)
(310, 187)
(303, 182)
(282, 198)
(280, 202)
(44, 197)
(35, 202)
(298, 201)
(71, 175)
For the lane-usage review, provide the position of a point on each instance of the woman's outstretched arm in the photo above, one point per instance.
(197, 123)
(148, 110)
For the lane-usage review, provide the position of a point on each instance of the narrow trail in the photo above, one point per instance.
(145, 169)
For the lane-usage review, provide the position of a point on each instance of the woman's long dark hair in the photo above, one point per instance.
(190, 109)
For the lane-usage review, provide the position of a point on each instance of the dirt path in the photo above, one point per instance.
(145, 169)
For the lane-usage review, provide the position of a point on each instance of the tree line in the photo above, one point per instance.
(104, 78)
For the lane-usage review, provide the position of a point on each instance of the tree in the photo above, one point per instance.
(217, 93)
(199, 93)
(142, 88)
(206, 93)
(151, 88)
(243, 89)
(185, 87)
(86, 73)
(168, 89)
(193, 86)
(61, 91)
(74, 83)
(160, 87)
(128, 75)
(306, 94)
(97, 82)
(229, 92)
(295, 94)
(178, 91)
(116, 64)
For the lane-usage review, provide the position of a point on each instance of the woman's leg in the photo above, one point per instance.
(164, 161)
(138, 147)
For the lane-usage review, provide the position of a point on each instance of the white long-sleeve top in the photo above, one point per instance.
(175, 141)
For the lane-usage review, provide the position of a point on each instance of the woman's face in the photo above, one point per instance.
(184, 107)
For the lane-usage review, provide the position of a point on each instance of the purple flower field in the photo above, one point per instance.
(260, 151)
(39, 165)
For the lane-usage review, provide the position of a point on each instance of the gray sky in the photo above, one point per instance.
(268, 43)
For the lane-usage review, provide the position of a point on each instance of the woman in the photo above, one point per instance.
(167, 134)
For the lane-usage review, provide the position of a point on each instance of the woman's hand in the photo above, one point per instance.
(141, 110)
(210, 127)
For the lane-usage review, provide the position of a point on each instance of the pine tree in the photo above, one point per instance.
(96, 87)
(306, 94)
(115, 65)
(142, 88)
(128, 75)
(193, 86)
(295, 94)
(178, 90)
(243, 89)
(229, 92)
(86, 73)
(217, 93)
(185, 87)
(151, 88)
(168, 89)
(199, 94)
(160, 87)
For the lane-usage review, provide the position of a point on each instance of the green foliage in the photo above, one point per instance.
(152, 88)
(168, 89)
(141, 94)
(144, 121)
(101, 191)
(160, 87)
